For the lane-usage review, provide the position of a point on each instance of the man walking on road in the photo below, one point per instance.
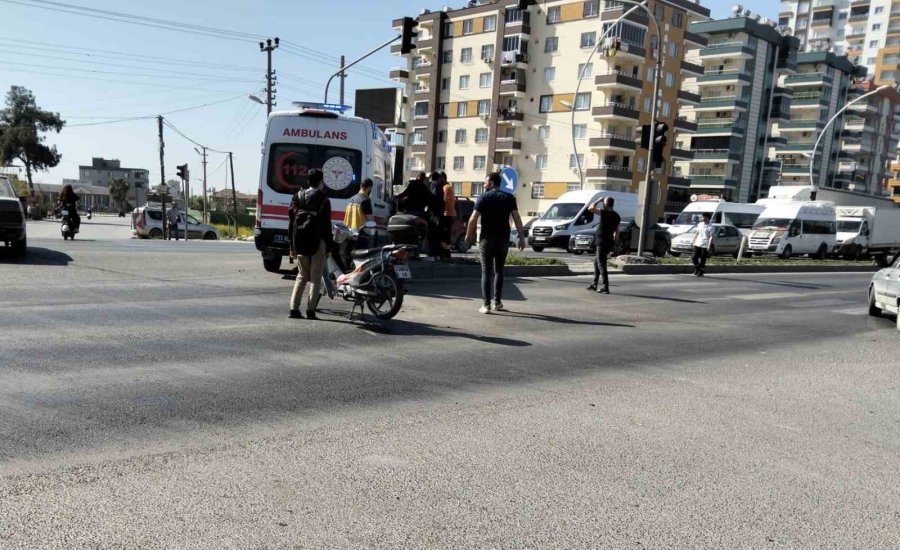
(311, 238)
(494, 208)
(606, 237)
(702, 243)
(173, 214)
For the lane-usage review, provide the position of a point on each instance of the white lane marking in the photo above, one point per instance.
(769, 296)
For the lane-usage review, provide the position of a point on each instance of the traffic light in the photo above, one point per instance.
(183, 172)
(660, 139)
(407, 35)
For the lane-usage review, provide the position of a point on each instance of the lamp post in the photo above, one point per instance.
(645, 214)
(812, 154)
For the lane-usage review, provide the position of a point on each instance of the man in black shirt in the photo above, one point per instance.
(606, 238)
(311, 209)
(494, 208)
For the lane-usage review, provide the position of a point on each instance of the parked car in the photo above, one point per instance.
(629, 235)
(884, 291)
(12, 219)
(726, 240)
(147, 223)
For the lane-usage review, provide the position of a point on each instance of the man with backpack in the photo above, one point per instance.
(311, 239)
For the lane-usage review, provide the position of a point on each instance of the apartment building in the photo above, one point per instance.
(102, 170)
(868, 141)
(739, 100)
(495, 84)
(820, 89)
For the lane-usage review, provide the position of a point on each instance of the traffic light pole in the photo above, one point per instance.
(352, 63)
(162, 175)
(648, 183)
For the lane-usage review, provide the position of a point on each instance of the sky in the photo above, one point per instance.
(93, 70)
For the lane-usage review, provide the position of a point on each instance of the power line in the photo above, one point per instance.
(182, 134)
(145, 117)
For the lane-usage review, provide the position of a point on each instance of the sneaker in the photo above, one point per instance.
(484, 309)
(498, 306)
(295, 314)
(592, 287)
(603, 290)
(311, 315)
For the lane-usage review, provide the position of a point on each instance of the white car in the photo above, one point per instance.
(884, 292)
(147, 223)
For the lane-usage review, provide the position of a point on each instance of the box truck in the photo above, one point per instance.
(864, 231)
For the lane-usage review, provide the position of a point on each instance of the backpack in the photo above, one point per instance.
(307, 233)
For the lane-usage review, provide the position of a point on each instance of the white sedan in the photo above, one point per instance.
(884, 292)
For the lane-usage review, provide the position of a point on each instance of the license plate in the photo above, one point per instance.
(403, 272)
(281, 238)
(539, 239)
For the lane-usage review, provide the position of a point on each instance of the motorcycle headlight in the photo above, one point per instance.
(561, 227)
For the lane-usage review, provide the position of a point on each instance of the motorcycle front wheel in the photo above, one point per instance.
(390, 296)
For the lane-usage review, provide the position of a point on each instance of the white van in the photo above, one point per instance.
(568, 215)
(795, 227)
(740, 215)
(347, 149)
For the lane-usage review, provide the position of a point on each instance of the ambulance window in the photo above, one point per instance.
(288, 166)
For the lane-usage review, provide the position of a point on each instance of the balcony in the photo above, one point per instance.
(695, 38)
(801, 125)
(716, 155)
(795, 169)
(612, 141)
(686, 126)
(819, 22)
(425, 43)
(519, 25)
(730, 50)
(508, 145)
(708, 181)
(616, 111)
(721, 103)
(793, 146)
(730, 76)
(692, 68)
(512, 88)
(399, 75)
(505, 116)
(783, 92)
(616, 79)
(808, 99)
(395, 49)
(631, 51)
(682, 154)
(612, 12)
(858, 16)
(422, 90)
(688, 98)
(513, 58)
(808, 79)
(720, 127)
(608, 171)
(417, 147)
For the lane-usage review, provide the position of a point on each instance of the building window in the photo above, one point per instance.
(448, 29)
(537, 190)
(585, 70)
(666, 109)
(873, 43)
(465, 55)
(442, 136)
(540, 161)
(457, 188)
(588, 39)
(641, 164)
(546, 104)
(462, 109)
(487, 52)
(479, 163)
(551, 44)
(443, 110)
(549, 74)
(579, 131)
(477, 189)
(670, 80)
(481, 135)
(677, 18)
(421, 110)
(659, 12)
(648, 104)
(464, 82)
(459, 163)
(841, 16)
(484, 80)
(573, 187)
(484, 108)
(576, 161)
(440, 163)
(870, 61)
(543, 133)
(650, 74)
(802, 22)
(490, 23)
(876, 27)
(460, 136)
(583, 101)
(447, 56)
(591, 9)
(879, 9)
(554, 15)
(468, 26)
(445, 84)
(673, 49)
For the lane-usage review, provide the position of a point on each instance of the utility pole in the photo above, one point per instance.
(268, 47)
(205, 207)
(233, 192)
(162, 174)
(343, 78)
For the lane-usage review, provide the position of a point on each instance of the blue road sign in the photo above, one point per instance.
(509, 180)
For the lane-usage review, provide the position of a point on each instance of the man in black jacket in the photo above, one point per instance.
(313, 244)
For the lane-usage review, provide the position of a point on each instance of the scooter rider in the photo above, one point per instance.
(68, 200)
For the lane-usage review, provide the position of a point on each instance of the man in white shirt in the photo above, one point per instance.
(702, 242)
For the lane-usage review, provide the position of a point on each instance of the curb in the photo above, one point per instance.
(636, 269)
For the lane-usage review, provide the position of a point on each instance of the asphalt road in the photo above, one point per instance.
(155, 395)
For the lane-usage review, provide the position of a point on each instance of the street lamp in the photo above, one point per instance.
(256, 99)
(812, 153)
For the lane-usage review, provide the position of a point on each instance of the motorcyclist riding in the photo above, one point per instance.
(68, 200)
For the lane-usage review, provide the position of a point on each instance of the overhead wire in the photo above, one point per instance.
(145, 117)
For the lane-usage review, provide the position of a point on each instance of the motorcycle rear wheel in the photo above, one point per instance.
(390, 299)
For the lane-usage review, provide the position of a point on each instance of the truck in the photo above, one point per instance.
(864, 231)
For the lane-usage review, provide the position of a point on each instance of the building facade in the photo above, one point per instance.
(868, 141)
(739, 100)
(495, 84)
(101, 171)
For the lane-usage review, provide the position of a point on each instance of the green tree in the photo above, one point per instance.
(22, 124)
(118, 191)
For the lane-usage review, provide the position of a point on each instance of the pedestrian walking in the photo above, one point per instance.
(494, 208)
(436, 218)
(311, 239)
(702, 243)
(174, 215)
(449, 213)
(605, 239)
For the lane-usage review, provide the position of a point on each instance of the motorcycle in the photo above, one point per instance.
(67, 227)
(377, 282)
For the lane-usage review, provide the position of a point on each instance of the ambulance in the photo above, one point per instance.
(347, 150)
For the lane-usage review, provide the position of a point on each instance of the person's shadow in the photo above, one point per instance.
(561, 320)
(35, 256)
(399, 327)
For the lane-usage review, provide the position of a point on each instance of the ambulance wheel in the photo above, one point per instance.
(390, 296)
(273, 264)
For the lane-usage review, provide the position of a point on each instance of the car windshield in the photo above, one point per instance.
(690, 218)
(849, 226)
(772, 223)
(562, 211)
(6, 190)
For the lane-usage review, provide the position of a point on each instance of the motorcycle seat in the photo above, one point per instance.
(364, 252)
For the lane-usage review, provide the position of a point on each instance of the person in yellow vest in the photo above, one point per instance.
(449, 213)
(359, 207)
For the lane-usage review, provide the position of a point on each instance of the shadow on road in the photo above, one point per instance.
(663, 298)
(789, 284)
(35, 256)
(561, 320)
(405, 328)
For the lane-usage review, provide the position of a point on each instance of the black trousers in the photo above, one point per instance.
(600, 268)
(699, 258)
(493, 259)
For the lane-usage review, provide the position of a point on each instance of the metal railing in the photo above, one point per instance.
(726, 44)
